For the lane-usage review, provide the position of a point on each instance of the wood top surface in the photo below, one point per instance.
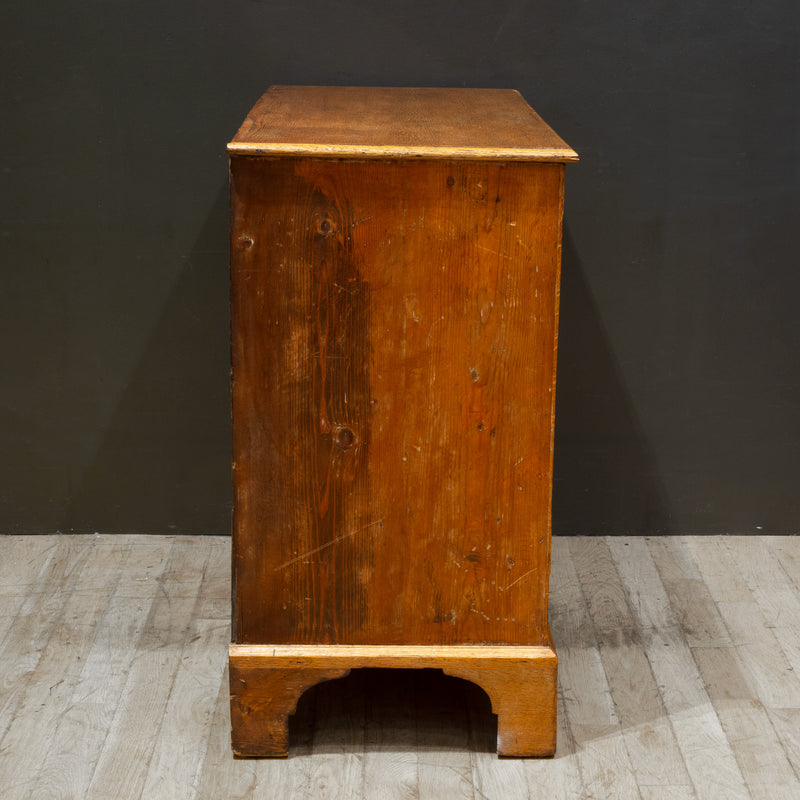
(382, 122)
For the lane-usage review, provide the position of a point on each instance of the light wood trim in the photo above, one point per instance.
(398, 656)
(400, 151)
(386, 656)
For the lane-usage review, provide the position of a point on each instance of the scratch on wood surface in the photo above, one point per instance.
(506, 256)
(326, 545)
(524, 575)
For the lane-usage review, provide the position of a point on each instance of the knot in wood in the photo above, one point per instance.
(324, 225)
(344, 438)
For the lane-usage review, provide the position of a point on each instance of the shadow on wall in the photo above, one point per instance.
(163, 465)
(606, 477)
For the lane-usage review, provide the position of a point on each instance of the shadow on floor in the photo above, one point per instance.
(394, 710)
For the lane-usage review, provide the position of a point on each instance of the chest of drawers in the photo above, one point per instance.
(395, 277)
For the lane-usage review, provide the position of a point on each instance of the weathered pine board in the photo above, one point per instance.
(649, 738)
(49, 687)
(601, 753)
(82, 728)
(132, 736)
(706, 750)
(404, 726)
(746, 722)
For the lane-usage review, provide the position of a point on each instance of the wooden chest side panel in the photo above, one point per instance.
(393, 348)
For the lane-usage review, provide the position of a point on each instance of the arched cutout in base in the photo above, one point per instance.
(267, 681)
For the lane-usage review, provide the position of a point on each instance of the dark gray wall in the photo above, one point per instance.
(679, 388)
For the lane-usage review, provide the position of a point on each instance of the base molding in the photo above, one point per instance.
(268, 680)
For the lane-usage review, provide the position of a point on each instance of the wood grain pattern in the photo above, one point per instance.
(415, 743)
(187, 717)
(398, 122)
(602, 758)
(393, 389)
(83, 724)
(267, 681)
(50, 685)
(745, 719)
(709, 759)
(649, 739)
(394, 326)
(122, 764)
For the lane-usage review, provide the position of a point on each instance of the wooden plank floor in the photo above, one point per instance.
(679, 678)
